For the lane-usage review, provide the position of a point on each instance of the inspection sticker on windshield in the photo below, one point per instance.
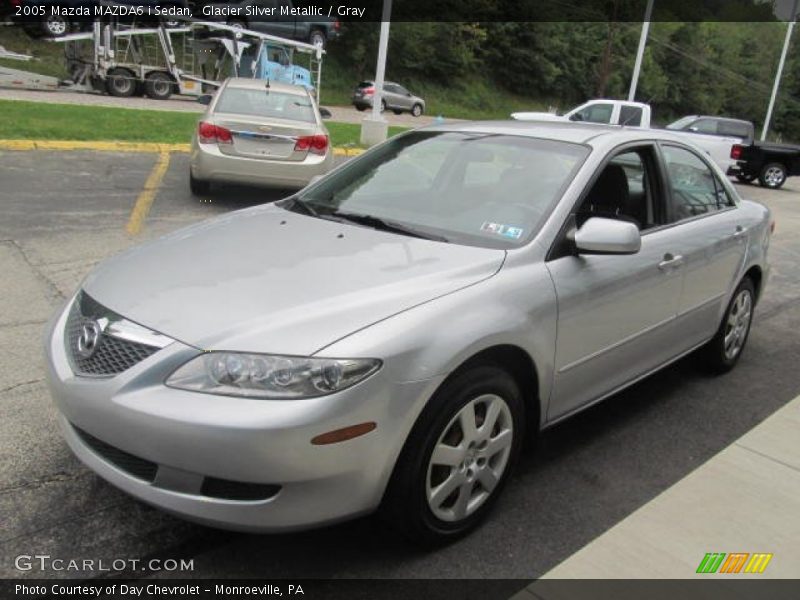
(505, 230)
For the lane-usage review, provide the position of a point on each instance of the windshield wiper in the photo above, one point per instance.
(384, 225)
(303, 204)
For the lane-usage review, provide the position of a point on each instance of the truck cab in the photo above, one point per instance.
(602, 111)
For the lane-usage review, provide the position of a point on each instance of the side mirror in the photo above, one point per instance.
(576, 117)
(205, 99)
(325, 113)
(608, 236)
(693, 128)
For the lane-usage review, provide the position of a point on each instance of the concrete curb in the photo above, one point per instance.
(102, 146)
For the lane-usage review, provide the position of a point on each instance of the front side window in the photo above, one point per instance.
(695, 188)
(263, 103)
(480, 189)
(623, 190)
(594, 113)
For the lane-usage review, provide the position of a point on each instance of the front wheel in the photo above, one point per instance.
(773, 176)
(416, 110)
(725, 348)
(458, 456)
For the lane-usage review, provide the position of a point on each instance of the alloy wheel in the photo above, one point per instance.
(738, 323)
(469, 458)
(773, 176)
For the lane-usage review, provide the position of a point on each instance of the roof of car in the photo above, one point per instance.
(714, 117)
(566, 131)
(260, 84)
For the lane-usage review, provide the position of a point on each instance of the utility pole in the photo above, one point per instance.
(374, 128)
(787, 39)
(637, 66)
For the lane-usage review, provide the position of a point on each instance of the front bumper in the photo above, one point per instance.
(193, 437)
(209, 164)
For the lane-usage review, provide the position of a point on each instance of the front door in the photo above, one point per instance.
(616, 312)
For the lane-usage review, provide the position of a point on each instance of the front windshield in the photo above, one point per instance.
(480, 189)
(681, 123)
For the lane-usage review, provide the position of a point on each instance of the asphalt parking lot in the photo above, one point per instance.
(64, 211)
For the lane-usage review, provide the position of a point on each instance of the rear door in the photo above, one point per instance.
(616, 313)
(711, 240)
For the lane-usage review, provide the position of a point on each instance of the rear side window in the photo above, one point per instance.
(708, 126)
(260, 103)
(734, 129)
(630, 115)
(695, 188)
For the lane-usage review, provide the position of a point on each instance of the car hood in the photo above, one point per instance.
(270, 280)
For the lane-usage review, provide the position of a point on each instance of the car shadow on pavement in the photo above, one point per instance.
(233, 197)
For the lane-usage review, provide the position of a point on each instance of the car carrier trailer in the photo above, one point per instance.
(125, 60)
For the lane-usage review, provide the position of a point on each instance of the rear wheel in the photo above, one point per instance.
(121, 83)
(360, 107)
(773, 175)
(158, 86)
(55, 26)
(198, 187)
(317, 38)
(416, 110)
(723, 351)
(458, 456)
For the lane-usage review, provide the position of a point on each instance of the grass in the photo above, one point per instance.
(41, 121)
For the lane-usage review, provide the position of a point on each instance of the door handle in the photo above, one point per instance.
(670, 262)
(739, 233)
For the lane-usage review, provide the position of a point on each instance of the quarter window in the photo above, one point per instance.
(695, 188)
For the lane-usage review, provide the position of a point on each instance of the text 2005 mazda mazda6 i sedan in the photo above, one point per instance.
(386, 338)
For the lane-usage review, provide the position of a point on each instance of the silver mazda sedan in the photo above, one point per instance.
(387, 337)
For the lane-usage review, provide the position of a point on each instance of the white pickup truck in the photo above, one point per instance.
(637, 114)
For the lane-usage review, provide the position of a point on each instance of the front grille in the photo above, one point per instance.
(237, 490)
(111, 355)
(132, 465)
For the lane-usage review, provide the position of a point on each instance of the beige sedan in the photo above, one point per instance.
(260, 133)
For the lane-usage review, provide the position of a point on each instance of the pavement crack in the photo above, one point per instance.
(767, 456)
(55, 293)
(57, 477)
(18, 385)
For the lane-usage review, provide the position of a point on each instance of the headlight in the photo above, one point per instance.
(270, 376)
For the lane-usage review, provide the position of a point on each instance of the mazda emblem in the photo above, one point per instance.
(89, 338)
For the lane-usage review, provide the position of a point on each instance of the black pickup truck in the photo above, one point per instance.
(768, 162)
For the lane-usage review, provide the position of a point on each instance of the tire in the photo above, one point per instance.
(121, 83)
(746, 177)
(54, 26)
(416, 110)
(772, 176)
(360, 107)
(411, 504)
(198, 187)
(317, 37)
(397, 112)
(158, 86)
(722, 356)
(383, 105)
